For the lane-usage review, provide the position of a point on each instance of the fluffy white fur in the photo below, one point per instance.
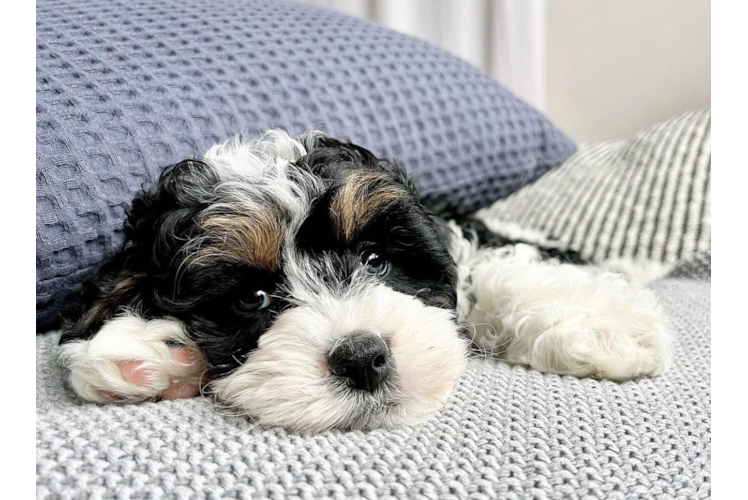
(559, 318)
(286, 380)
(637, 271)
(95, 364)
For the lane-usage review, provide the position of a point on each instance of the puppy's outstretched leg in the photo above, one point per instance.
(559, 317)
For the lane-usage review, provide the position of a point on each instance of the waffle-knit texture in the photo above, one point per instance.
(508, 432)
(648, 198)
(127, 87)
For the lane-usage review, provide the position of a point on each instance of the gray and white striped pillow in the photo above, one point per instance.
(644, 199)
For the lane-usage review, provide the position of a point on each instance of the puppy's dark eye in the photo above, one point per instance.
(258, 299)
(376, 264)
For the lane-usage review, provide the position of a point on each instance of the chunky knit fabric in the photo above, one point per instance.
(508, 432)
(647, 198)
(126, 87)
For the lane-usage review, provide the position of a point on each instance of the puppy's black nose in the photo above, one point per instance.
(363, 359)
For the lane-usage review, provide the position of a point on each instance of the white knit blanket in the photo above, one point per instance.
(508, 432)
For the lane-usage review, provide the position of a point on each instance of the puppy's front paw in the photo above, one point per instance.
(609, 330)
(132, 360)
(569, 320)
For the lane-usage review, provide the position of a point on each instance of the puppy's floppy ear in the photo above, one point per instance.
(163, 216)
(158, 221)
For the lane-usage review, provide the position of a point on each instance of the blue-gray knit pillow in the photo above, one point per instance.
(127, 87)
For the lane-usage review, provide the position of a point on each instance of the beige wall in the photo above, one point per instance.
(615, 67)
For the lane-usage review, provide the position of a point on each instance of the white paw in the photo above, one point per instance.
(132, 360)
(611, 342)
(571, 320)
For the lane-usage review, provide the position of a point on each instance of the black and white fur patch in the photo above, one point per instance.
(247, 272)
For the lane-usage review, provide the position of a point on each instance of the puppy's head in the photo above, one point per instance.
(309, 275)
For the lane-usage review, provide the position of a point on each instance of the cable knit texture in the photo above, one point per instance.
(126, 87)
(508, 432)
(643, 199)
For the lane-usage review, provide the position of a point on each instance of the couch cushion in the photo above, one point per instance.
(643, 199)
(508, 432)
(125, 88)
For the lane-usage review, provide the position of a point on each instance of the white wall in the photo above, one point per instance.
(615, 67)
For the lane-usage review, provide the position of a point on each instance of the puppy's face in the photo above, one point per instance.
(310, 277)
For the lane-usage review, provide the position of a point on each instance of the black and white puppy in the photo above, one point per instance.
(301, 281)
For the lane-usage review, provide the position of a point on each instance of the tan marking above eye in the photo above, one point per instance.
(361, 196)
(251, 235)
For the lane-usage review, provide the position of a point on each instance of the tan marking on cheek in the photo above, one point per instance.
(357, 201)
(127, 283)
(253, 237)
(99, 310)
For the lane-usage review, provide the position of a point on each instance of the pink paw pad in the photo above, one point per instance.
(184, 387)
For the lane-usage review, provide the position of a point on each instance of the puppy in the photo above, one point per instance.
(301, 282)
